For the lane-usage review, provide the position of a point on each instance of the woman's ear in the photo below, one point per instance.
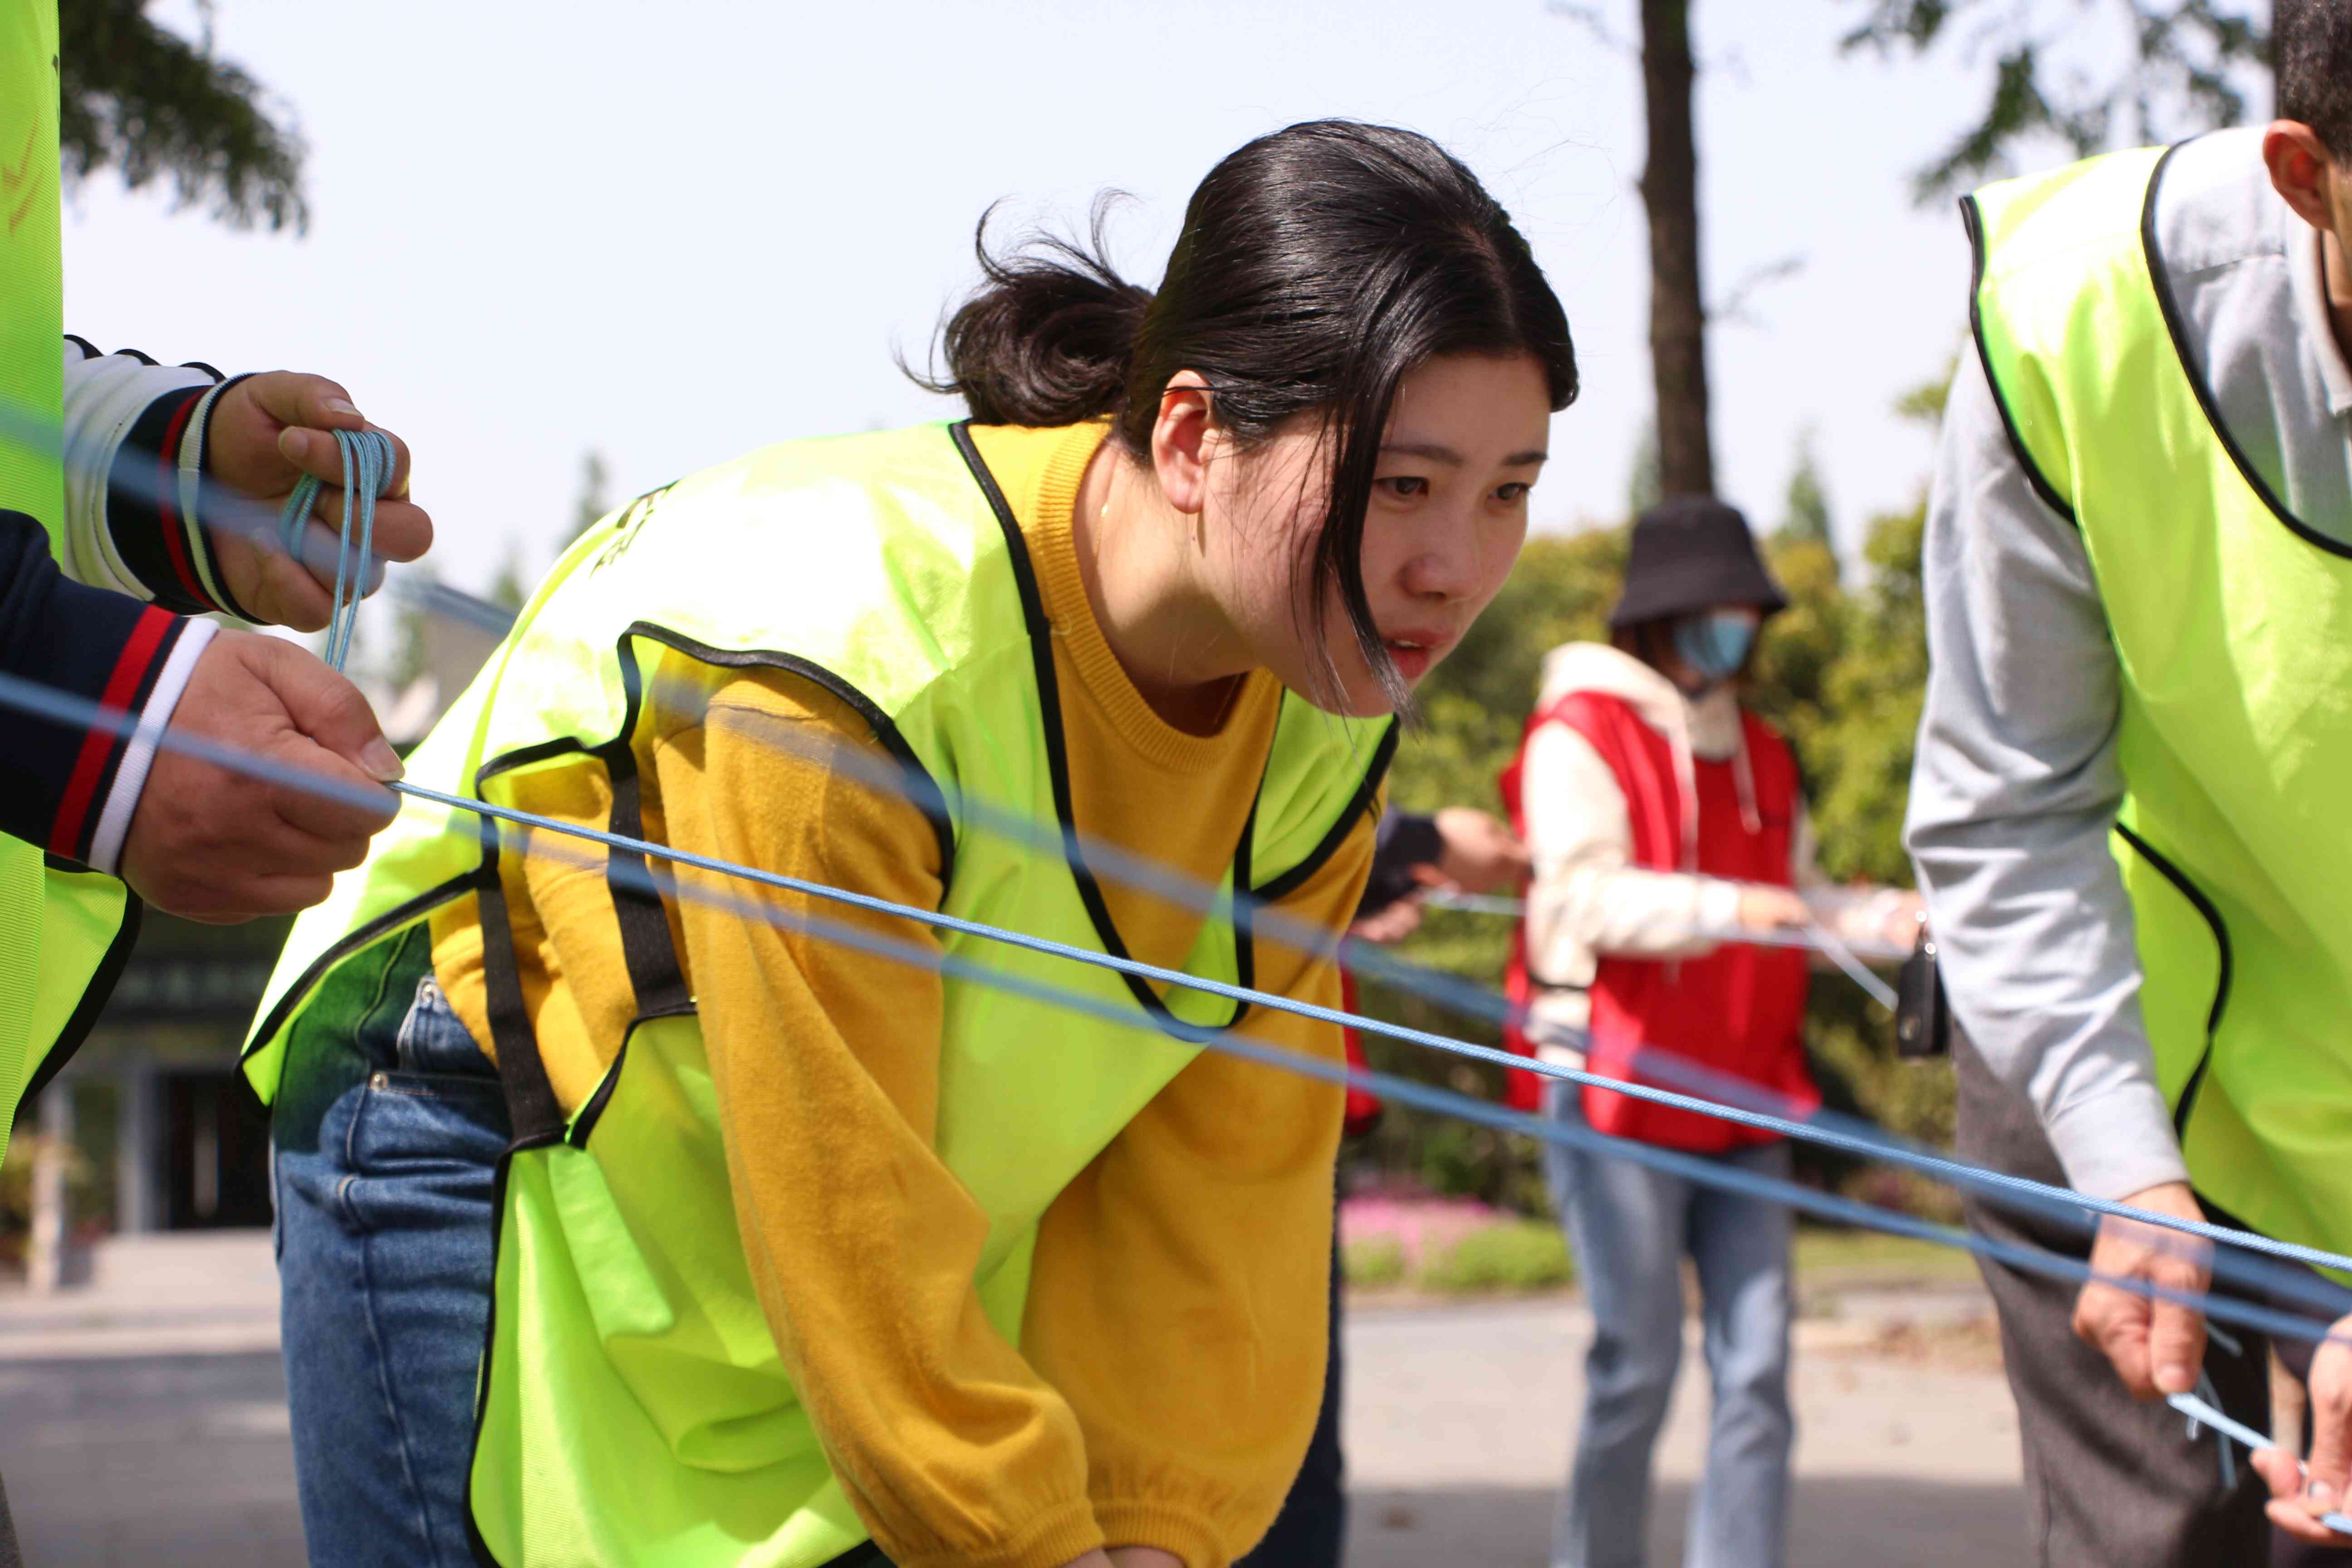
(1182, 443)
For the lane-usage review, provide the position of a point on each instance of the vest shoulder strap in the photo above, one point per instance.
(2061, 290)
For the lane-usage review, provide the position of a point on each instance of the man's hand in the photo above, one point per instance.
(2301, 1493)
(1481, 853)
(214, 846)
(1903, 916)
(267, 432)
(1765, 908)
(1393, 924)
(2155, 1345)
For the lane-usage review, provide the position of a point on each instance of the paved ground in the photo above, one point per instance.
(160, 1462)
(1459, 1422)
(143, 1422)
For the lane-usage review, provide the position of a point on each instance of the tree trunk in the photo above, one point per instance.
(1677, 308)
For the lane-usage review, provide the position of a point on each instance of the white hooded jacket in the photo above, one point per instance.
(1587, 899)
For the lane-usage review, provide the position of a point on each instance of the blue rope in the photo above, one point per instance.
(1824, 1128)
(374, 466)
(226, 508)
(78, 711)
(367, 470)
(2203, 1411)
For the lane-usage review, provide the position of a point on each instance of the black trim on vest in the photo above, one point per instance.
(384, 925)
(593, 1110)
(102, 981)
(918, 785)
(1290, 881)
(536, 1116)
(647, 949)
(2179, 327)
(2212, 917)
(1057, 762)
(1972, 217)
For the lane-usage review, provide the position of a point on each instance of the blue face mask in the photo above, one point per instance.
(1716, 644)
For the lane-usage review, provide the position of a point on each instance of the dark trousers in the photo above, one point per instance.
(1311, 1531)
(2109, 1482)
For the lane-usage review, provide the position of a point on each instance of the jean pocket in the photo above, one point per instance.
(435, 1042)
(421, 1121)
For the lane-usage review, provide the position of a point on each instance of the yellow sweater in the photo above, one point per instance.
(1172, 1355)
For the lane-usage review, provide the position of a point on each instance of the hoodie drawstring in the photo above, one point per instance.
(1743, 776)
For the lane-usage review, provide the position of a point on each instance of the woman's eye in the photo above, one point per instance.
(1404, 485)
(1515, 490)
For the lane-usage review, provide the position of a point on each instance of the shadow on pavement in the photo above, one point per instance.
(1837, 1521)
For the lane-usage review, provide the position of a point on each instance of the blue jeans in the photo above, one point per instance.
(386, 1136)
(1632, 1227)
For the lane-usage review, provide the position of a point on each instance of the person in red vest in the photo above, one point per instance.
(1670, 844)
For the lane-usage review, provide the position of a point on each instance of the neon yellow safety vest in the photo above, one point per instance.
(2232, 626)
(64, 933)
(634, 1407)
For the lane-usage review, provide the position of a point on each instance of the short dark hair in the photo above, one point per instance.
(1318, 267)
(2311, 49)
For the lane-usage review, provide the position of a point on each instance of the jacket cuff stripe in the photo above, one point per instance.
(135, 669)
(195, 472)
(138, 755)
(141, 514)
(167, 502)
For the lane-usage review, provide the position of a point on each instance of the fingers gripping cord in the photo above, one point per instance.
(367, 470)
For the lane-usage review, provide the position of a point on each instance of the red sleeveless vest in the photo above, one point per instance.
(1711, 1026)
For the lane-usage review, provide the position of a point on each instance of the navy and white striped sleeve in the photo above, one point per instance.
(71, 787)
(136, 445)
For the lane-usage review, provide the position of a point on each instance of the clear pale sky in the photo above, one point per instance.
(673, 233)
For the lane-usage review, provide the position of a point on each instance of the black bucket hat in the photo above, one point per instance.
(1687, 554)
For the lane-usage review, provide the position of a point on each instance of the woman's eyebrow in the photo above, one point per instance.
(1437, 453)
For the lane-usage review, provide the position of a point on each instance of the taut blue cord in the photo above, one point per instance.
(31, 697)
(1846, 1133)
(367, 469)
(226, 508)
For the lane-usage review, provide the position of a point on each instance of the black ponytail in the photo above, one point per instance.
(1049, 336)
(1317, 267)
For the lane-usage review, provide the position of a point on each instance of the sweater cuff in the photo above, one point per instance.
(1137, 1522)
(1053, 1538)
(2118, 1144)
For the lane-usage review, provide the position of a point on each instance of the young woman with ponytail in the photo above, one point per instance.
(619, 1227)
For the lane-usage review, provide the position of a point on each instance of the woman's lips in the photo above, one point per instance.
(1413, 650)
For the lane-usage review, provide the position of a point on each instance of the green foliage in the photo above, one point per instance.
(1805, 514)
(413, 635)
(2182, 74)
(595, 479)
(1646, 485)
(140, 99)
(1517, 1255)
(1841, 672)
(509, 589)
(1373, 1262)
